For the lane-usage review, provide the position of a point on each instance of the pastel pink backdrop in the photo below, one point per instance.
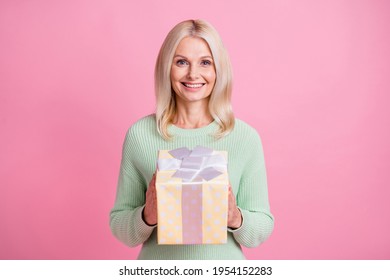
(311, 76)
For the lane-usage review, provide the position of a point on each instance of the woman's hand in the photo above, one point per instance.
(234, 214)
(150, 210)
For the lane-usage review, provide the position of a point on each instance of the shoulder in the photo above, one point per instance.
(142, 129)
(145, 122)
(144, 125)
(244, 136)
(244, 129)
(248, 142)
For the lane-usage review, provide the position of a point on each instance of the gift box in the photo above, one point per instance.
(192, 196)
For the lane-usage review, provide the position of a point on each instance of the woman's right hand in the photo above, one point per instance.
(150, 209)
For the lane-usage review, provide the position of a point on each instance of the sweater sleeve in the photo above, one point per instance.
(126, 220)
(252, 198)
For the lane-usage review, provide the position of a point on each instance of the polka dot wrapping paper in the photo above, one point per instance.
(192, 196)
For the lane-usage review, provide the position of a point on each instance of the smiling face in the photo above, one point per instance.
(193, 71)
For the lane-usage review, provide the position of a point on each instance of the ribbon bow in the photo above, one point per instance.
(196, 165)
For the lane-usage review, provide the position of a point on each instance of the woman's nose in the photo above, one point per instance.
(193, 73)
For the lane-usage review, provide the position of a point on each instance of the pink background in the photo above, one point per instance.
(311, 76)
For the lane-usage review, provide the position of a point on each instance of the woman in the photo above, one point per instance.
(193, 84)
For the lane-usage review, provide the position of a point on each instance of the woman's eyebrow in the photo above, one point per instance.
(202, 57)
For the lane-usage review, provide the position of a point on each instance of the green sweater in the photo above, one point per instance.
(247, 177)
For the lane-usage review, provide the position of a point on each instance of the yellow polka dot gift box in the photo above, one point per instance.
(192, 196)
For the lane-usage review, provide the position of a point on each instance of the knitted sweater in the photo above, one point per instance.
(247, 177)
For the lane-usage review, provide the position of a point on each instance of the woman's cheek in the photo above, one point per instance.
(210, 76)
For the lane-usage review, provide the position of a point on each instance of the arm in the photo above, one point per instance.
(126, 220)
(252, 199)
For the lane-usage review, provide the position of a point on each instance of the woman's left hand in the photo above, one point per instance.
(234, 214)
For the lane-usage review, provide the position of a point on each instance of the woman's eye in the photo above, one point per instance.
(181, 62)
(206, 62)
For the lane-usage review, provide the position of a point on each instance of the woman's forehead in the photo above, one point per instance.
(193, 47)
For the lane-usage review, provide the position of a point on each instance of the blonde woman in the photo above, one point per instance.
(193, 84)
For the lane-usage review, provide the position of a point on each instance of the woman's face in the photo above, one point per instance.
(193, 71)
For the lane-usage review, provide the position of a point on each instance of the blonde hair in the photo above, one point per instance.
(219, 104)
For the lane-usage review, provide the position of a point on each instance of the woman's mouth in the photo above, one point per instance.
(189, 85)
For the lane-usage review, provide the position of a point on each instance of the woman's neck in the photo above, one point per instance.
(192, 116)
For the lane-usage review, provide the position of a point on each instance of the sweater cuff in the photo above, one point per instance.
(140, 224)
(242, 223)
(255, 229)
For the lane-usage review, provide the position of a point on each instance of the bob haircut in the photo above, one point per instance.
(220, 99)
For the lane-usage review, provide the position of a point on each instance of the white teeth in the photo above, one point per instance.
(193, 85)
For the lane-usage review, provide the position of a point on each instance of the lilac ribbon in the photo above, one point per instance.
(194, 166)
(191, 203)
